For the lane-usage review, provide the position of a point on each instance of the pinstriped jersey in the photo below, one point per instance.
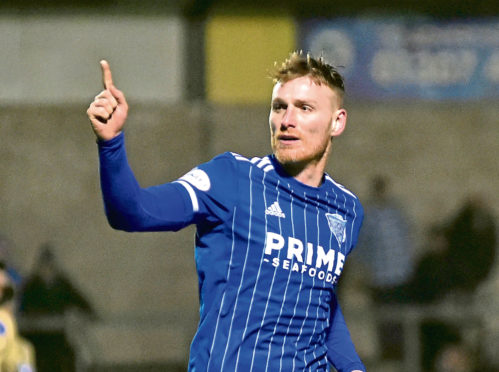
(269, 253)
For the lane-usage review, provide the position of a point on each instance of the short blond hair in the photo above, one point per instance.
(299, 64)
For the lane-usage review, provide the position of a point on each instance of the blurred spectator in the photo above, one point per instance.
(385, 247)
(48, 291)
(431, 282)
(472, 244)
(487, 303)
(460, 257)
(16, 353)
(454, 357)
(5, 251)
(47, 295)
(436, 336)
(432, 275)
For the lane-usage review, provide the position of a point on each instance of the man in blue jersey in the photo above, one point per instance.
(272, 233)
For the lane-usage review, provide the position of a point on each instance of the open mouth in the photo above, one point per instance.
(283, 138)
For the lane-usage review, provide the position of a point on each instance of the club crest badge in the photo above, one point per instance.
(338, 226)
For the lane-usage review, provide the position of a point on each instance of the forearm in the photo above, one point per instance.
(341, 350)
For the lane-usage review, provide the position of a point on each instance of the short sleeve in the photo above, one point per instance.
(212, 189)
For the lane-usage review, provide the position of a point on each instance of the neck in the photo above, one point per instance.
(310, 173)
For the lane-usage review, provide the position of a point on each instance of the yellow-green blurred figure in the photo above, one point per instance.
(16, 353)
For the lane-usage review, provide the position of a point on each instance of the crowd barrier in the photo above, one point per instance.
(153, 344)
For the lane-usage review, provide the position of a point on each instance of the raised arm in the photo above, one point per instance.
(128, 206)
(109, 110)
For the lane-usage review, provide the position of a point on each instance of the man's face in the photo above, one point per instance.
(303, 118)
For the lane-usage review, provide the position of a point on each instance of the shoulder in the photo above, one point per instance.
(222, 161)
(338, 187)
(203, 175)
(262, 163)
(238, 161)
(343, 193)
(7, 328)
(6, 321)
(224, 169)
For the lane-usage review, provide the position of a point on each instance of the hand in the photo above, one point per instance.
(108, 111)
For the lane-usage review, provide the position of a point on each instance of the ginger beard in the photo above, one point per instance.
(312, 148)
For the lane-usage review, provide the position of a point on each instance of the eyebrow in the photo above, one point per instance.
(296, 102)
(300, 102)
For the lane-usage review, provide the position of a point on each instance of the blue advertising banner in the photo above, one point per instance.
(409, 58)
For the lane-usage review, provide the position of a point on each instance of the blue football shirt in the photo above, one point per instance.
(269, 253)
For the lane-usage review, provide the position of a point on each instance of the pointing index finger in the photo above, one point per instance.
(107, 78)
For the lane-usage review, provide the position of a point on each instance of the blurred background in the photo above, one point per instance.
(421, 151)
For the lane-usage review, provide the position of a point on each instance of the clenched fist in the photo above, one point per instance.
(109, 110)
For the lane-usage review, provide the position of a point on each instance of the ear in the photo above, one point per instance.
(339, 122)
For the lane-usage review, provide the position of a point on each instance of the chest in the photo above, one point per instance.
(293, 233)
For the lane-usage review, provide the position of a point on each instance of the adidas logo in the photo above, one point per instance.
(275, 210)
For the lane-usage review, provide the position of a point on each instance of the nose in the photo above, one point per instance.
(289, 118)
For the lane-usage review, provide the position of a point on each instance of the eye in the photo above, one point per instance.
(306, 107)
(276, 106)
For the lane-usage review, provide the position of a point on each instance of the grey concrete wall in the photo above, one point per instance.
(49, 189)
(51, 59)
